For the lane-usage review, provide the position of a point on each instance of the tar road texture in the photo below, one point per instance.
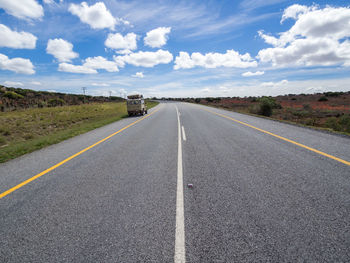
(253, 196)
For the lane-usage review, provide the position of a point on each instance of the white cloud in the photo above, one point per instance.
(157, 37)
(124, 51)
(230, 59)
(9, 83)
(100, 84)
(37, 83)
(274, 84)
(100, 63)
(66, 67)
(206, 90)
(61, 49)
(316, 89)
(138, 75)
(254, 4)
(123, 91)
(294, 11)
(126, 43)
(18, 65)
(319, 37)
(251, 74)
(48, 2)
(90, 66)
(145, 59)
(97, 15)
(123, 21)
(23, 9)
(13, 39)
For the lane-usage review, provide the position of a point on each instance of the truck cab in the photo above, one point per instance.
(136, 105)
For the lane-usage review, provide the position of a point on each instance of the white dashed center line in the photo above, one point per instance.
(180, 255)
(183, 133)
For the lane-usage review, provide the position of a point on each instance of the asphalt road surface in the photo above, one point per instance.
(183, 183)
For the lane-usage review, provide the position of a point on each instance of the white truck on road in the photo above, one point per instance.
(136, 105)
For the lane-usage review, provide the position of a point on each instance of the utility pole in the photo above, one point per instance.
(110, 93)
(84, 90)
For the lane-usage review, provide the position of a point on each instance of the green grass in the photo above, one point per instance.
(25, 131)
(150, 104)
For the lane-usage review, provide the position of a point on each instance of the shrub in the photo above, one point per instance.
(307, 107)
(2, 140)
(300, 113)
(6, 132)
(333, 124)
(344, 121)
(266, 105)
(323, 98)
(28, 136)
(13, 95)
(310, 121)
(41, 104)
(23, 92)
(197, 100)
(55, 102)
(333, 94)
(254, 109)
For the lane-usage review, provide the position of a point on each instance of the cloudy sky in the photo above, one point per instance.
(176, 48)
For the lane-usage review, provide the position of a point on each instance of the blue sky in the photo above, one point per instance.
(176, 48)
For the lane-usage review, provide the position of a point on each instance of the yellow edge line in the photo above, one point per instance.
(69, 158)
(283, 138)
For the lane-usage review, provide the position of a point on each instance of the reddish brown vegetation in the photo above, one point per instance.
(327, 110)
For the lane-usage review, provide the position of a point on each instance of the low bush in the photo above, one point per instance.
(344, 121)
(267, 104)
(333, 94)
(6, 132)
(300, 113)
(307, 107)
(254, 109)
(333, 124)
(41, 104)
(13, 95)
(55, 102)
(339, 124)
(323, 98)
(2, 140)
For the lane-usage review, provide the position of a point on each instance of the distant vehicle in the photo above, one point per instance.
(136, 105)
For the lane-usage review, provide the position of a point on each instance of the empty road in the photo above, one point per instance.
(185, 183)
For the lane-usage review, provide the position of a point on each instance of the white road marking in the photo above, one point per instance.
(183, 133)
(180, 255)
